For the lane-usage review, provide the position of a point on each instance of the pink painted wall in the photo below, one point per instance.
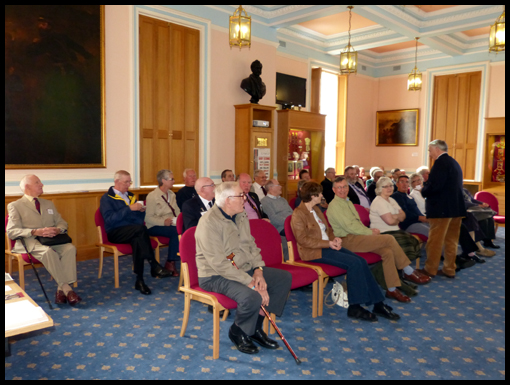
(496, 90)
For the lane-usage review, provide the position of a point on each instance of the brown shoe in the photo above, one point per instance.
(60, 297)
(424, 272)
(170, 266)
(417, 278)
(398, 295)
(73, 298)
(441, 273)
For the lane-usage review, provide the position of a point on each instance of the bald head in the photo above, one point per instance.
(245, 182)
(205, 188)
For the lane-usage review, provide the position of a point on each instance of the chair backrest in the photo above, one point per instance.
(489, 198)
(292, 203)
(363, 215)
(180, 224)
(326, 218)
(268, 240)
(188, 252)
(289, 234)
(7, 239)
(100, 223)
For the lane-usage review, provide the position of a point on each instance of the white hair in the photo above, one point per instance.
(223, 191)
(441, 144)
(415, 175)
(328, 170)
(382, 181)
(375, 170)
(23, 182)
(119, 173)
(186, 171)
(421, 170)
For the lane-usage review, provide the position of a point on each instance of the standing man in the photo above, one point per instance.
(31, 217)
(188, 191)
(258, 186)
(445, 210)
(327, 185)
(124, 223)
(194, 208)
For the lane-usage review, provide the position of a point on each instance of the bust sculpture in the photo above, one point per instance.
(253, 84)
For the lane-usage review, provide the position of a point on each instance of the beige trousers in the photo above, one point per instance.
(59, 260)
(393, 257)
(443, 231)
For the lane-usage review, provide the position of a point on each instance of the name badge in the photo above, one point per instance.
(202, 213)
(50, 211)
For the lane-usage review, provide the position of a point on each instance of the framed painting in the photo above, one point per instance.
(54, 86)
(397, 128)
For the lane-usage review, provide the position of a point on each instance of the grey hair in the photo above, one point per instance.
(223, 191)
(268, 185)
(375, 170)
(23, 182)
(257, 172)
(415, 175)
(382, 181)
(118, 174)
(163, 175)
(421, 170)
(441, 144)
(329, 169)
(186, 171)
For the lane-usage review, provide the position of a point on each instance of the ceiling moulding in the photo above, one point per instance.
(276, 13)
(466, 45)
(301, 29)
(397, 56)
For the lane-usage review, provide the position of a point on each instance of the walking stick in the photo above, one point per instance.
(35, 270)
(231, 259)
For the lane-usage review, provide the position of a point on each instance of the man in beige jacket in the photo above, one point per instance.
(32, 216)
(225, 229)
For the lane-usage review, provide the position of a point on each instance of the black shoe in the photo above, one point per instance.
(210, 310)
(463, 263)
(386, 311)
(263, 340)
(159, 271)
(491, 245)
(477, 259)
(140, 285)
(243, 343)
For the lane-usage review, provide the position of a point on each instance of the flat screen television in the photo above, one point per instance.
(290, 90)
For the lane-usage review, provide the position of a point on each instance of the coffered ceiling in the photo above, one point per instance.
(382, 34)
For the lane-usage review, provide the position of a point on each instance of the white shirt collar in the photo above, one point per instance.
(272, 196)
(205, 202)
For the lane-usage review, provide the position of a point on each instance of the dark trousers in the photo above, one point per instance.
(169, 232)
(248, 300)
(138, 237)
(361, 285)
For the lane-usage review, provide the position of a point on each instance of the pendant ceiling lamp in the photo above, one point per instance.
(240, 29)
(497, 34)
(414, 80)
(349, 57)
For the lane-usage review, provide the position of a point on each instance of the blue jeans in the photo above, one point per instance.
(361, 285)
(169, 232)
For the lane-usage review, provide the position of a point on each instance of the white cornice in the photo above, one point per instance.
(340, 35)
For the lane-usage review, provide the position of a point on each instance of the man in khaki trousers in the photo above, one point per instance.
(32, 216)
(445, 209)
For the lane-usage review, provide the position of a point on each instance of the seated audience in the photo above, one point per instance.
(228, 176)
(415, 221)
(224, 229)
(252, 202)
(376, 174)
(316, 242)
(258, 187)
(356, 237)
(327, 185)
(298, 192)
(386, 215)
(395, 174)
(276, 207)
(31, 217)
(362, 175)
(124, 223)
(161, 216)
(371, 173)
(357, 193)
(358, 175)
(424, 172)
(188, 191)
(193, 209)
(416, 181)
(304, 175)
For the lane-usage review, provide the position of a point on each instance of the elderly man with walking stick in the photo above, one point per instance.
(224, 230)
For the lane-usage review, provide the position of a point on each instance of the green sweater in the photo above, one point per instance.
(344, 219)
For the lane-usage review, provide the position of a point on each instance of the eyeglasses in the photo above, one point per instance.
(170, 179)
(209, 185)
(342, 187)
(388, 186)
(129, 182)
(243, 195)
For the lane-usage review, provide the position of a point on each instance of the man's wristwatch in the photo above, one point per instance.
(260, 267)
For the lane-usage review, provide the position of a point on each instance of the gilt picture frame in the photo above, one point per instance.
(397, 127)
(55, 86)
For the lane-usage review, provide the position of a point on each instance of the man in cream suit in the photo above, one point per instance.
(32, 216)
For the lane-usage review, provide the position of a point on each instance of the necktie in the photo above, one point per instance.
(210, 204)
(253, 206)
(37, 205)
(264, 190)
(169, 205)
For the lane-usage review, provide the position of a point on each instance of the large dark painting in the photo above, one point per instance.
(54, 86)
(397, 128)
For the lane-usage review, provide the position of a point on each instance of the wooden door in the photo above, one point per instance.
(169, 98)
(456, 117)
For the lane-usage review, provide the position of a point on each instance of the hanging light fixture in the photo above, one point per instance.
(497, 34)
(240, 29)
(414, 80)
(349, 57)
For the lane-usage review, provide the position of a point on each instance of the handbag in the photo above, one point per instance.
(338, 295)
(481, 213)
(59, 239)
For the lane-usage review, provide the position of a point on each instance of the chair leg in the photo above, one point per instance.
(216, 333)
(273, 330)
(9, 264)
(225, 315)
(417, 263)
(314, 299)
(157, 253)
(321, 294)
(181, 280)
(101, 252)
(116, 268)
(21, 271)
(265, 325)
(185, 318)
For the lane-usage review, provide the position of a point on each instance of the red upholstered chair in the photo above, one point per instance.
(269, 242)
(292, 203)
(492, 201)
(363, 215)
(180, 225)
(192, 291)
(324, 271)
(117, 249)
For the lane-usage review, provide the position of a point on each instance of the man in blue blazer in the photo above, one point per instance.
(445, 209)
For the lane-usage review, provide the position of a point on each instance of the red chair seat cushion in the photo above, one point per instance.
(371, 258)
(163, 240)
(226, 302)
(332, 271)
(27, 260)
(499, 219)
(301, 276)
(125, 248)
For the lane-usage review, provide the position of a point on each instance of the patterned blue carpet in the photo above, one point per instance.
(455, 329)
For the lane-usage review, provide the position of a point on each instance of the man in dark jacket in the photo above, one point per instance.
(445, 210)
(124, 223)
